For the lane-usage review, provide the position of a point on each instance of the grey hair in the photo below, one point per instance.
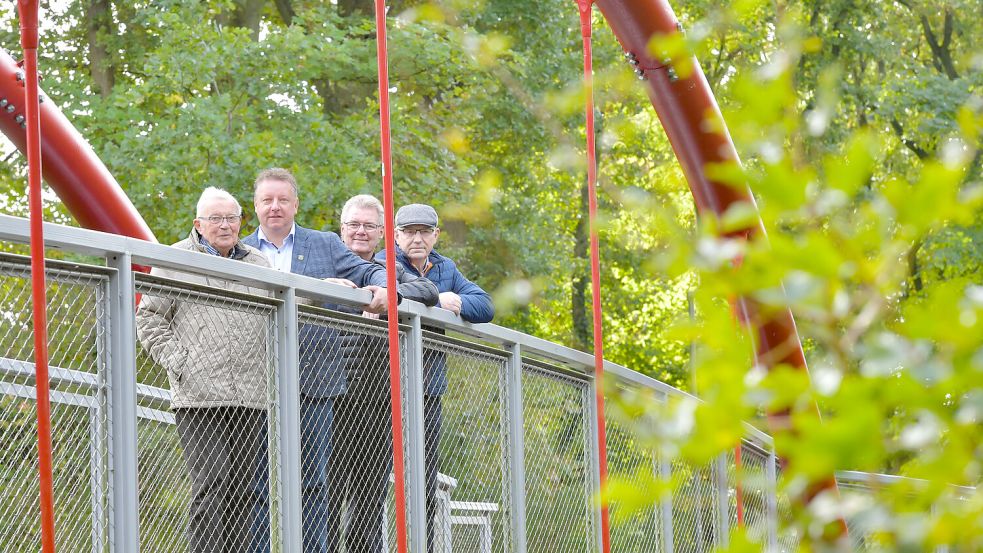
(362, 201)
(212, 193)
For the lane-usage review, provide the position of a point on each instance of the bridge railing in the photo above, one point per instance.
(510, 445)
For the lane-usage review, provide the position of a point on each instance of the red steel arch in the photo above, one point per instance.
(97, 201)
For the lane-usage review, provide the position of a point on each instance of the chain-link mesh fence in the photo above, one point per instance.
(749, 487)
(346, 432)
(466, 441)
(207, 395)
(207, 392)
(635, 464)
(80, 430)
(559, 484)
(788, 538)
(694, 502)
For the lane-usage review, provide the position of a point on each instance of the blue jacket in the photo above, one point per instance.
(476, 307)
(321, 255)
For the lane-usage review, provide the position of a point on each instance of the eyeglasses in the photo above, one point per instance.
(423, 232)
(217, 219)
(369, 227)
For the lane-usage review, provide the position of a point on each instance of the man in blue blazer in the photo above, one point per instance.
(416, 236)
(322, 255)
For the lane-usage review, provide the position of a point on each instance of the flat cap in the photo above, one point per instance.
(416, 214)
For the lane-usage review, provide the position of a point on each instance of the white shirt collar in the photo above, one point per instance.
(289, 238)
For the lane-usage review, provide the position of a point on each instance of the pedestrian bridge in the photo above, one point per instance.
(518, 456)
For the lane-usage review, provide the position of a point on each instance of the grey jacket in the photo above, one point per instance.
(214, 357)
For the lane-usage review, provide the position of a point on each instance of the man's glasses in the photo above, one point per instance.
(369, 227)
(217, 219)
(423, 232)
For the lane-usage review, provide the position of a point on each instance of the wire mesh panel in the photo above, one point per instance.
(79, 424)
(346, 432)
(749, 488)
(864, 523)
(693, 505)
(559, 498)
(788, 538)
(465, 433)
(207, 393)
(633, 463)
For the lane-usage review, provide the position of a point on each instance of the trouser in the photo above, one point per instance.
(359, 472)
(432, 419)
(316, 421)
(222, 447)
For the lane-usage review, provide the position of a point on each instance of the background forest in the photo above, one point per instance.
(858, 124)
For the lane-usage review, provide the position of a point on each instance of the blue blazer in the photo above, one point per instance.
(320, 254)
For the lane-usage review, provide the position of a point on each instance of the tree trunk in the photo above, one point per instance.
(286, 10)
(246, 14)
(364, 8)
(100, 26)
(941, 52)
(578, 300)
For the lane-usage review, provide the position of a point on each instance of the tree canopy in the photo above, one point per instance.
(858, 124)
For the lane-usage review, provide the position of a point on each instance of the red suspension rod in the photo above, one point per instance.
(28, 10)
(395, 394)
(584, 7)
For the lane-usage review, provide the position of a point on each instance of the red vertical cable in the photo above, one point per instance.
(595, 269)
(387, 200)
(29, 41)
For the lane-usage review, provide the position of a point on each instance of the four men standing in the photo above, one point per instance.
(218, 365)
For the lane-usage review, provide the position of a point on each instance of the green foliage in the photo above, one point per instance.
(858, 125)
(871, 218)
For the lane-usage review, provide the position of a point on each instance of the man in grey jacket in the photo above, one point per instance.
(217, 363)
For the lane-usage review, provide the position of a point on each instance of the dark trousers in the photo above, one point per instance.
(359, 472)
(432, 420)
(222, 447)
(316, 421)
(316, 436)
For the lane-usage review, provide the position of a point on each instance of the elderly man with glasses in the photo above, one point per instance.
(217, 364)
(416, 235)
(363, 455)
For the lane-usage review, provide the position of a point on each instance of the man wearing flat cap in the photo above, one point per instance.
(416, 235)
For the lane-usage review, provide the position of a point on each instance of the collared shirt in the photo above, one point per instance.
(279, 258)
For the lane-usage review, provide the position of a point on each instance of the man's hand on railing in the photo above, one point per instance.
(341, 282)
(451, 302)
(379, 299)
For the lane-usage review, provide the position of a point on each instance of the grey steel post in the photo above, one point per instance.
(772, 501)
(517, 456)
(123, 405)
(594, 486)
(721, 501)
(665, 505)
(97, 445)
(287, 365)
(417, 485)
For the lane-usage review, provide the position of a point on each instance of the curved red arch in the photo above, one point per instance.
(96, 200)
(71, 167)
